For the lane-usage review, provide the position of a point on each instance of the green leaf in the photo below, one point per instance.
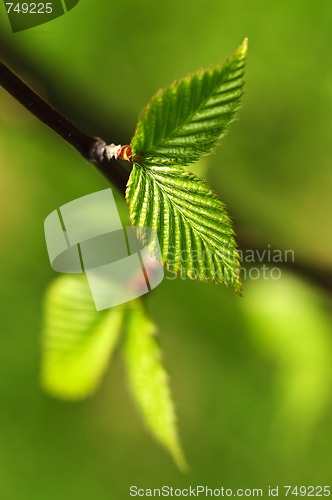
(77, 339)
(149, 382)
(180, 124)
(185, 120)
(194, 231)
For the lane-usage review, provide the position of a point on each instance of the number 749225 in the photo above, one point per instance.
(29, 8)
(307, 491)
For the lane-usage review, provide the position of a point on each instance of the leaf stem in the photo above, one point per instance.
(91, 148)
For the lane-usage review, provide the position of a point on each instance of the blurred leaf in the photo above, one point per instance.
(290, 326)
(185, 120)
(77, 339)
(194, 230)
(149, 382)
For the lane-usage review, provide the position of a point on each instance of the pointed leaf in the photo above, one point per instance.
(77, 339)
(195, 233)
(149, 382)
(185, 120)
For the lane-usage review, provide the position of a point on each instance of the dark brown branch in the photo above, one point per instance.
(91, 148)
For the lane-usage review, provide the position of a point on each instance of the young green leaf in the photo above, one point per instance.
(194, 231)
(179, 125)
(149, 382)
(185, 120)
(77, 339)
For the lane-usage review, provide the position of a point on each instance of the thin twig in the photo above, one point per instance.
(91, 148)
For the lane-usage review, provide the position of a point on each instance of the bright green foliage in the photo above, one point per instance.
(181, 124)
(185, 120)
(149, 382)
(78, 342)
(194, 230)
(77, 339)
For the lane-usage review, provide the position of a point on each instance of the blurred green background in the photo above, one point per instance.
(251, 376)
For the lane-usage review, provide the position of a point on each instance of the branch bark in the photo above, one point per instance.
(91, 148)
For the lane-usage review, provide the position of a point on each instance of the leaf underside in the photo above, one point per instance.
(181, 124)
(149, 382)
(77, 339)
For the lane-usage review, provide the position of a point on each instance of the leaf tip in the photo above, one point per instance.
(238, 286)
(243, 49)
(180, 461)
(239, 290)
